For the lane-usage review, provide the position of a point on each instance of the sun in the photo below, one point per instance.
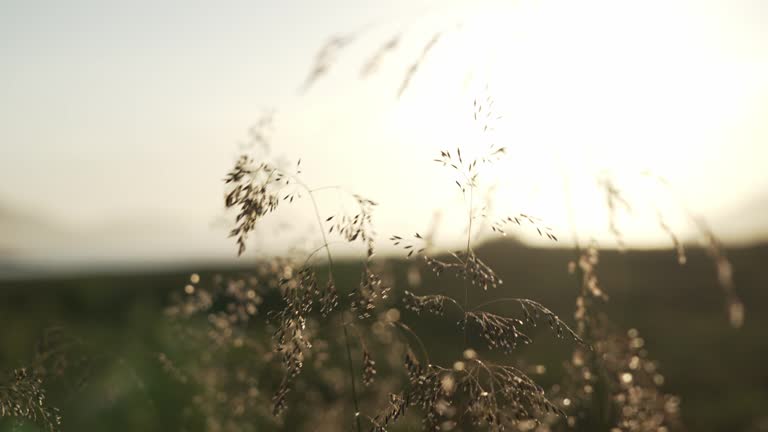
(578, 93)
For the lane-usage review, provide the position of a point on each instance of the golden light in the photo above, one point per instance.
(591, 90)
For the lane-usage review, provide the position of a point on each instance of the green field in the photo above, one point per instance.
(719, 372)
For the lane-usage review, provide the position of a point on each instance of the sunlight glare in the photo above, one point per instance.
(587, 90)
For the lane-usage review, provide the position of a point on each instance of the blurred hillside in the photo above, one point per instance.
(718, 371)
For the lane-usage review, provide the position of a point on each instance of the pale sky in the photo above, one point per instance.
(119, 119)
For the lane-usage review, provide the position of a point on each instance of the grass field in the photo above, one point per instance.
(719, 372)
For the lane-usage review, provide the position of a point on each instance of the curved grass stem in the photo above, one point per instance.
(469, 245)
(330, 278)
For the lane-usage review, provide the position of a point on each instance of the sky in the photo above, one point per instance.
(120, 119)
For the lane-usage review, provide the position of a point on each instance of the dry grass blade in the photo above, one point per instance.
(367, 293)
(679, 248)
(473, 392)
(498, 332)
(536, 223)
(433, 304)
(374, 61)
(723, 266)
(724, 269)
(253, 193)
(260, 134)
(23, 397)
(357, 226)
(326, 57)
(411, 72)
(614, 200)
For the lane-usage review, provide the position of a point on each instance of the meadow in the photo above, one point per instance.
(718, 372)
(501, 322)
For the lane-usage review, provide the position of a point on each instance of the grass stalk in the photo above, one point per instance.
(330, 278)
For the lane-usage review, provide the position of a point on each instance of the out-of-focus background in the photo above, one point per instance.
(718, 371)
(120, 120)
